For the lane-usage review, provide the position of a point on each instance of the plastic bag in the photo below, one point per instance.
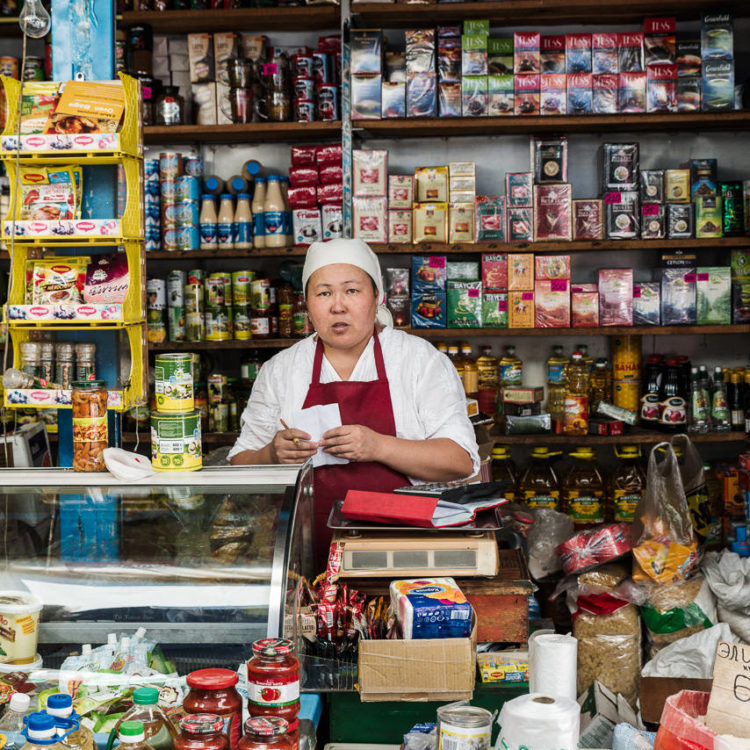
(664, 543)
(728, 575)
(627, 737)
(549, 530)
(680, 728)
(592, 547)
(694, 483)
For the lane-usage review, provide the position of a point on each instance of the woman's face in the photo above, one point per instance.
(341, 303)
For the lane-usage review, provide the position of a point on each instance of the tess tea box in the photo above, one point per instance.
(584, 305)
(615, 297)
(552, 303)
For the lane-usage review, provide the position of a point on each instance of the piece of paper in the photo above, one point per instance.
(730, 694)
(315, 420)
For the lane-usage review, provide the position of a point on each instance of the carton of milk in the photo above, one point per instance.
(430, 608)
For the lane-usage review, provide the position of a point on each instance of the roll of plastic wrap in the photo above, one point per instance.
(552, 665)
(539, 722)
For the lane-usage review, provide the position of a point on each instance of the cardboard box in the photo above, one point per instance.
(204, 103)
(553, 96)
(654, 692)
(677, 185)
(552, 304)
(495, 272)
(714, 295)
(647, 304)
(520, 309)
(369, 173)
(431, 184)
(527, 52)
(580, 94)
(495, 309)
(678, 296)
(520, 224)
(461, 222)
(462, 270)
(428, 273)
(490, 218)
(553, 212)
(430, 223)
(366, 97)
(400, 225)
(501, 95)
(519, 189)
(616, 297)
(520, 271)
(400, 191)
(515, 394)
(201, 54)
(226, 46)
(527, 96)
(552, 267)
(584, 306)
(553, 54)
(370, 219)
(428, 309)
(464, 304)
(588, 220)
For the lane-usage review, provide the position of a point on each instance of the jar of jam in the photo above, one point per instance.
(273, 680)
(266, 733)
(201, 732)
(212, 691)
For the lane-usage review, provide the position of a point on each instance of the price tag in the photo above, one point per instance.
(702, 277)
(636, 292)
(612, 198)
(527, 296)
(437, 261)
(270, 69)
(730, 693)
(558, 286)
(689, 278)
(650, 209)
(502, 305)
(473, 292)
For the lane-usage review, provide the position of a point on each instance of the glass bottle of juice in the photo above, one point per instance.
(576, 418)
(583, 489)
(539, 486)
(504, 470)
(627, 485)
(556, 376)
(600, 387)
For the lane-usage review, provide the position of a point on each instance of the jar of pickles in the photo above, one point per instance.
(90, 434)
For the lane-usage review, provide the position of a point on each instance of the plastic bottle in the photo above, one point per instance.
(600, 387)
(511, 367)
(236, 185)
(258, 208)
(274, 211)
(40, 732)
(132, 735)
(736, 410)
(242, 226)
(208, 223)
(697, 405)
(627, 485)
(556, 377)
(213, 185)
(583, 489)
(157, 726)
(487, 367)
(470, 375)
(288, 228)
(673, 400)
(225, 221)
(584, 349)
(250, 169)
(576, 417)
(651, 390)
(503, 469)
(720, 418)
(61, 704)
(12, 720)
(539, 486)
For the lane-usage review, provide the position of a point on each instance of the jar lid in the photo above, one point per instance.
(89, 384)
(266, 726)
(273, 647)
(202, 724)
(212, 679)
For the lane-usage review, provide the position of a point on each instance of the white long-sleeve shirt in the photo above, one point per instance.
(426, 392)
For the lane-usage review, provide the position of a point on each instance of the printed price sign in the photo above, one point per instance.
(437, 261)
(729, 704)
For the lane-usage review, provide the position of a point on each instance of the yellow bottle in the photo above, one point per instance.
(576, 418)
(583, 489)
(600, 387)
(503, 469)
(455, 358)
(556, 367)
(539, 487)
(470, 375)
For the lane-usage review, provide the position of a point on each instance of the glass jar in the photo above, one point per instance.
(266, 733)
(201, 732)
(30, 353)
(90, 434)
(213, 691)
(273, 679)
(260, 324)
(85, 367)
(47, 360)
(286, 311)
(301, 323)
(64, 364)
(170, 107)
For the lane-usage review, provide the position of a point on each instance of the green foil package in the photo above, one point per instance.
(733, 215)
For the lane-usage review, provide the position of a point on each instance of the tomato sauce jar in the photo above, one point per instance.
(212, 691)
(201, 732)
(266, 733)
(273, 679)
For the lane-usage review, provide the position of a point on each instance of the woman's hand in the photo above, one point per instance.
(353, 441)
(292, 447)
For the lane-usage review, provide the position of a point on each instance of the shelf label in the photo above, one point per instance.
(270, 69)
(689, 278)
(636, 292)
(473, 292)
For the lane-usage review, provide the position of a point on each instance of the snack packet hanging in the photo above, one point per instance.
(48, 194)
(58, 280)
(38, 103)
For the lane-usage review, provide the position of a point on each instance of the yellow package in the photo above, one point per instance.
(38, 103)
(58, 280)
(48, 194)
(88, 107)
(664, 561)
(521, 310)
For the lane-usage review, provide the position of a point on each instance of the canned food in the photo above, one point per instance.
(173, 382)
(218, 325)
(170, 212)
(304, 110)
(170, 236)
(227, 289)
(241, 287)
(176, 324)
(176, 288)
(156, 294)
(188, 237)
(627, 394)
(195, 326)
(170, 164)
(328, 102)
(188, 188)
(150, 168)
(90, 435)
(194, 298)
(9, 67)
(321, 71)
(176, 441)
(168, 189)
(188, 213)
(242, 324)
(464, 727)
(260, 294)
(304, 87)
(193, 166)
(33, 70)
(215, 290)
(217, 385)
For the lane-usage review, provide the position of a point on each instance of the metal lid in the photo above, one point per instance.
(212, 679)
(465, 716)
(202, 724)
(273, 647)
(89, 384)
(266, 726)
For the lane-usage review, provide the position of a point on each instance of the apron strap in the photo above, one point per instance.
(379, 362)
(318, 359)
(317, 363)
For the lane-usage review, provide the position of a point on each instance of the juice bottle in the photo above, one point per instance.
(539, 487)
(258, 207)
(576, 421)
(600, 387)
(651, 390)
(470, 376)
(698, 417)
(628, 483)
(504, 470)
(583, 489)
(556, 376)
(159, 730)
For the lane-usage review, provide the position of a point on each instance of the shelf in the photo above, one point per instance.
(187, 346)
(430, 333)
(253, 132)
(283, 252)
(637, 436)
(207, 438)
(307, 18)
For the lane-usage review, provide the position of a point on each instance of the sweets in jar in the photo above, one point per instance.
(90, 434)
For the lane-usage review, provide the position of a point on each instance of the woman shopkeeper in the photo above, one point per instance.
(403, 408)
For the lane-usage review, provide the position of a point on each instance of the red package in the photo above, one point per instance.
(329, 155)
(330, 44)
(303, 176)
(303, 197)
(331, 175)
(331, 195)
(680, 727)
(588, 549)
(304, 156)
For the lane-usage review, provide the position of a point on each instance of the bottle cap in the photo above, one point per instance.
(212, 183)
(60, 704)
(273, 178)
(238, 183)
(146, 696)
(131, 731)
(501, 452)
(253, 168)
(226, 196)
(273, 647)
(243, 196)
(20, 702)
(208, 197)
(261, 180)
(41, 726)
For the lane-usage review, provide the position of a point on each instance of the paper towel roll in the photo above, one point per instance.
(552, 665)
(539, 722)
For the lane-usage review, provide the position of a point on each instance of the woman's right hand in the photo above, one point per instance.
(292, 447)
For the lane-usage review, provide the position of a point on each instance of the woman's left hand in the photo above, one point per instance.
(352, 441)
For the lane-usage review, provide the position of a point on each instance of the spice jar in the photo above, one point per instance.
(213, 691)
(90, 435)
(30, 353)
(273, 679)
(201, 732)
(170, 107)
(266, 733)
(47, 360)
(64, 364)
(85, 368)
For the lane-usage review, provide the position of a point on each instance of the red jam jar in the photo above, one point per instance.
(273, 679)
(212, 691)
(266, 733)
(202, 732)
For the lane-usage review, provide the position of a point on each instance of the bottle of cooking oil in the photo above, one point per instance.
(627, 485)
(441, 346)
(455, 357)
(470, 375)
(556, 366)
(576, 417)
(589, 360)
(487, 366)
(511, 367)
(600, 387)
(583, 489)
(504, 470)
(539, 486)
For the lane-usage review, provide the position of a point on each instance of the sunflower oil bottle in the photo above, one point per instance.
(628, 483)
(576, 417)
(504, 470)
(539, 487)
(556, 377)
(583, 489)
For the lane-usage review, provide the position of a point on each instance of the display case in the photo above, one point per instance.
(212, 557)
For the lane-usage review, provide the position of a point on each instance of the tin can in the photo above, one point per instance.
(195, 276)
(170, 212)
(321, 71)
(156, 294)
(215, 290)
(150, 168)
(176, 327)
(464, 727)
(169, 237)
(168, 189)
(218, 325)
(188, 237)
(304, 87)
(176, 441)
(176, 288)
(188, 212)
(33, 70)
(170, 164)
(328, 102)
(260, 294)
(627, 394)
(626, 358)
(302, 65)
(193, 166)
(188, 188)
(195, 326)
(241, 287)
(173, 382)
(228, 297)
(193, 298)
(153, 242)
(304, 110)
(242, 324)
(9, 67)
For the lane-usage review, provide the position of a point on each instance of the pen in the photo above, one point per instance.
(286, 427)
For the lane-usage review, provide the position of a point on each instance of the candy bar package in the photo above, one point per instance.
(733, 214)
(449, 99)
(688, 58)
(622, 216)
(370, 219)
(400, 191)
(653, 221)
(550, 159)
(428, 309)
(714, 296)
(615, 297)
(553, 96)
(520, 271)
(584, 306)
(659, 41)
(420, 50)
(519, 188)
(689, 94)
(494, 309)
(661, 93)
(431, 184)
(631, 96)
(678, 296)
(552, 304)
(369, 172)
(501, 95)
(677, 185)
(421, 95)
(400, 309)
(527, 52)
(717, 36)
(474, 96)
(578, 53)
(520, 224)
(605, 93)
(604, 57)
(366, 51)
(526, 99)
(449, 63)
(366, 97)
(428, 273)
(630, 48)
(588, 220)
(708, 216)
(680, 224)
(490, 218)
(553, 212)
(400, 225)
(521, 312)
(553, 54)
(430, 222)
(652, 186)
(461, 222)
(552, 267)
(718, 85)
(495, 271)
(462, 270)
(647, 303)
(464, 304)
(703, 177)
(620, 164)
(473, 55)
(580, 94)
(393, 99)
(500, 56)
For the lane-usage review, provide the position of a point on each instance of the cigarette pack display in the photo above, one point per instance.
(717, 36)
(708, 216)
(464, 304)
(584, 306)
(718, 85)
(461, 222)
(553, 54)
(588, 220)
(630, 48)
(662, 88)
(421, 95)
(550, 159)
(689, 94)
(622, 216)
(620, 163)
(688, 58)
(490, 218)
(527, 97)
(462, 270)
(631, 97)
(370, 219)
(703, 177)
(474, 55)
(430, 222)
(652, 186)
(366, 51)
(501, 93)
(431, 184)
(400, 191)
(494, 309)
(520, 271)
(653, 221)
(604, 57)
(400, 309)
(519, 188)
(552, 304)
(369, 172)
(741, 302)
(578, 53)
(393, 99)
(449, 62)
(678, 296)
(733, 213)
(659, 41)
(553, 95)
(428, 273)
(449, 99)
(527, 53)
(647, 304)
(677, 185)
(521, 309)
(580, 94)
(552, 267)
(474, 96)
(520, 224)
(495, 271)
(553, 212)
(400, 225)
(420, 50)
(200, 49)
(605, 93)
(714, 295)
(615, 297)
(428, 310)
(366, 97)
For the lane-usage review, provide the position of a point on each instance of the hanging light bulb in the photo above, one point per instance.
(34, 19)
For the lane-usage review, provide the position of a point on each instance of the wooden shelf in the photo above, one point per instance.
(439, 333)
(636, 435)
(208, 438)
(285, 252)
(188, 346)
(254, 132)
(305, 18)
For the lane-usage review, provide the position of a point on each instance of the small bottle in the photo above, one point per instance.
(225, 221)
(556, 368)
(258, 208)
(213, 185)
(673, 401)
(455, 357)
(510, 368)
(156, 725)
(649, 416)
(288, 232)
(47, 360)
(170, 107)
(488, 383)
(628, 484)
(736, 410)
(132, 736)
(12, 720)
(286, 311)
(30, 357)
(243, 223)
(236, 185)
(697, 405)
(208, 223)
(61, 704)
(575, 421)
(600, 387)
(64, 372)
(720, 417)
(274, 214)
(584, 349)
(40, 731)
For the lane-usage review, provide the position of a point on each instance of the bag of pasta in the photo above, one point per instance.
(665, 549)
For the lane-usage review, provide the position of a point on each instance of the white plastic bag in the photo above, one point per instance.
(728, 575)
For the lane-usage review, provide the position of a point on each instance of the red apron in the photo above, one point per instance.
(360, 402)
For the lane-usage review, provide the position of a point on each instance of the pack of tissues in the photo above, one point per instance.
(431, 608)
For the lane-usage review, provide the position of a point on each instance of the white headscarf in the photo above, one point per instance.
(355, 253)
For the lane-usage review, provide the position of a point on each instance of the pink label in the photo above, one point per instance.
(636, 291)
(612, 198)
(650, 209)
(702, 277)
(437, 261)
(473, 292)
(527, 296)
(558, 286)
(502, 305)
(689, 278)
(270, 69)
